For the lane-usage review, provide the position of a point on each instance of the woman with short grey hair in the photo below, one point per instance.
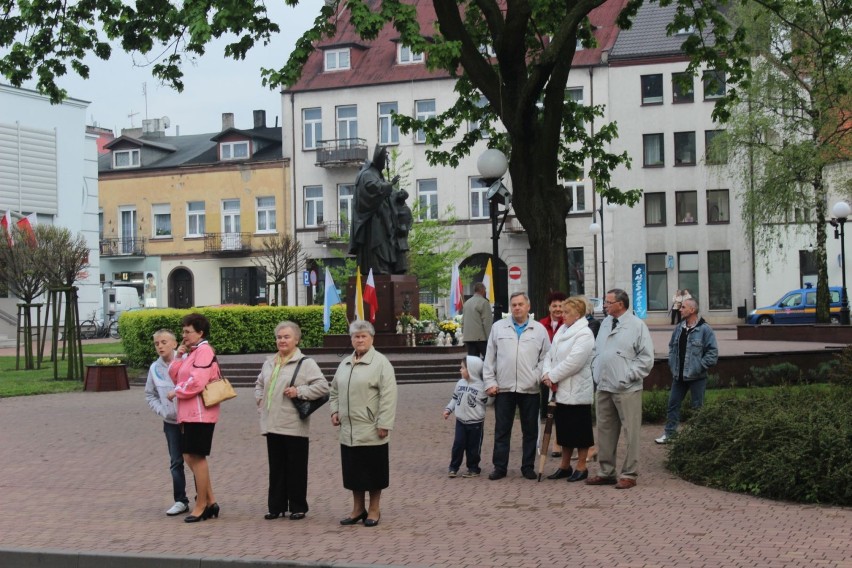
(363, 405)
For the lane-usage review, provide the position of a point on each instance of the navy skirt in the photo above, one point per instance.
(365, 468)
(196, 438)
(574, 425)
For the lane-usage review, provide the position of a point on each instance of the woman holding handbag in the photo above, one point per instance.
(194, 367)
(286, 377)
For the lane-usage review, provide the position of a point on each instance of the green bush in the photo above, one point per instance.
(792, 443)
(774, 375)
(840, 371)
(428, 313)
(655, 402)
(233, 329)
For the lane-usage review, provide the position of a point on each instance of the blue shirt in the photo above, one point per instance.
(519, 328)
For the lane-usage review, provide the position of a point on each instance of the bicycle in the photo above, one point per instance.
(94, 329)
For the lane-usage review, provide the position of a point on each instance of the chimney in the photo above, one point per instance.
(227, 120)
(260, 119)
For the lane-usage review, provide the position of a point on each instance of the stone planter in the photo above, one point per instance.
(106, 378)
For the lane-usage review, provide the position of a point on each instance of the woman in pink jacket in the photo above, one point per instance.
(194, 367)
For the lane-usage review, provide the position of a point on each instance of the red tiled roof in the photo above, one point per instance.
(374, 62)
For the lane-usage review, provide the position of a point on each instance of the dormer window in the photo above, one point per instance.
(404, 55)
(337, 59)
(234, 150)
(125, 159)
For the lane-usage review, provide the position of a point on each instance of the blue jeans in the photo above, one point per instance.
(172, 432)
(505, 404)
(468, 439)
(676, 396)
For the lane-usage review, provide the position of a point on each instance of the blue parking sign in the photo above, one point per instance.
(306, 278)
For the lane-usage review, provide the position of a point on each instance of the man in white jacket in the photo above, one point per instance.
(516, 348)
(157, 387)
(624, 356)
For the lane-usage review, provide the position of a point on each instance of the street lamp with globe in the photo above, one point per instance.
(492, 166)
(841, 212)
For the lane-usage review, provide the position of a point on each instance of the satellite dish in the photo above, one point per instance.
(166, 122)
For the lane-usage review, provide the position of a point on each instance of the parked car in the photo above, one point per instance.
(796, 306)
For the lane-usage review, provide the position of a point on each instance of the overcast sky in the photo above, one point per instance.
(213, 85)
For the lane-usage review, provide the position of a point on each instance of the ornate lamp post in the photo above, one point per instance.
(492, 165)
(841, 212)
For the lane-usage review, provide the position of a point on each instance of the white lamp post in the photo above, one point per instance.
(492, 166)
(841, 212)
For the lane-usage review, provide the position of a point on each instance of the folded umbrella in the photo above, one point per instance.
(545, 437)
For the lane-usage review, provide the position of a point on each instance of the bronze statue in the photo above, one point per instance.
(404, 219)
(373, 237)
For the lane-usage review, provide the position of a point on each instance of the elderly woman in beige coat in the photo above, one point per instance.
(286, 433)
(363, 405)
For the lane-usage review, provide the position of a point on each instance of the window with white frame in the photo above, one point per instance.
(313, 205)
(388, 131)
(405, 56)
(337, 59)
(427, 198)
(347, 124)
(266, 222)
(161, 213)
(125, 159)
(311, 127)
(345, 195)
(424, 110)
(195, 219)
(577, 193)
(231, 218)
(234, 150)
(479, 206)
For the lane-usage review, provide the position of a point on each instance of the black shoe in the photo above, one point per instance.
(495, 475)
(561, 473)
(211, 511)
(196, 518)
(529, 474)
(297, 516)
(556, 454)
(578, 475)
(372, 522)
(353, 520)
(271, 516)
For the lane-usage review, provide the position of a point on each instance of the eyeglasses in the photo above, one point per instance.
(611, 303)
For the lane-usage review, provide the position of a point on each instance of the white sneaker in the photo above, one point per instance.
(662, 439)
(178, 508)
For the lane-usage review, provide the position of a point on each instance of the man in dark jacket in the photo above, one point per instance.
(692, 350)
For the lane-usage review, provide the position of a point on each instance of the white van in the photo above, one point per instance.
(126, 297)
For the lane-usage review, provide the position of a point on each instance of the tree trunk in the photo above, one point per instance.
(540, 205)
(823, 298)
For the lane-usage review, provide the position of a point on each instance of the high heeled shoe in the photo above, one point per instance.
(196, 518)
(211, 511)
(353, 520)
(372, 522)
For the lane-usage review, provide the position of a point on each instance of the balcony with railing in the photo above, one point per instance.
(341, 152)
(225, 244)
(514, 227)
(333, 233)
(131, 246)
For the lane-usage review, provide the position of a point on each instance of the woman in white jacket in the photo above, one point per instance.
(567, 370)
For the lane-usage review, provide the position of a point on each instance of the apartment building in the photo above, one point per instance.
(182, 216)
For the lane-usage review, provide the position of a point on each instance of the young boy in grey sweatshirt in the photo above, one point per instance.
(468, 404)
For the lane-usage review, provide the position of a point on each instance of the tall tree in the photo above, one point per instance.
(793, 122)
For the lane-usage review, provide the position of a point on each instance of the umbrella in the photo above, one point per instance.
(545, 437)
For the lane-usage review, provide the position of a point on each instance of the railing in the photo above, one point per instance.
(334, 232)
(134, 246)
(341, 152)
(514, 226)
(227, 243)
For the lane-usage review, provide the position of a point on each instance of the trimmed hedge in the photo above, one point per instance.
(233, 329)
(793, 444)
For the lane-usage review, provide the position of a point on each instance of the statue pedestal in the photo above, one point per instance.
(393, 292)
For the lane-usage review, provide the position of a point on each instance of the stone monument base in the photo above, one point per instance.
(397, 293)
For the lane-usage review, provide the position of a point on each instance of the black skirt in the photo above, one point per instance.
(196, 438)
(574, 425)
(365, 468)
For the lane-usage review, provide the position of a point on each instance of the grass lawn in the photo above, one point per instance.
(113, 348)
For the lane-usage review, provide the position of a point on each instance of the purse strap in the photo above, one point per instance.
(296, 372)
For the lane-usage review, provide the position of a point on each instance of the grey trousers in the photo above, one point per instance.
(614, 412)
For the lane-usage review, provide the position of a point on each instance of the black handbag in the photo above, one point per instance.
(306, 407)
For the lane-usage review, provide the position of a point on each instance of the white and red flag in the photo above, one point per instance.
(370, 296)
(25, 225)
(456, 293)
(6, 223)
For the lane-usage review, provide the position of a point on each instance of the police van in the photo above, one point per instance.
(797, 306)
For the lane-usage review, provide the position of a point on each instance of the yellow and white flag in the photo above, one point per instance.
(488, 281)
(359, 295)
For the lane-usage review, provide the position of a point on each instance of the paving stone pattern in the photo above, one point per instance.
(88, 472)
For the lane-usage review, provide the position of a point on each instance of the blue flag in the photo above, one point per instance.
(331, 298)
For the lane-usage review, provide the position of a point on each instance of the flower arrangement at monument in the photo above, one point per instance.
(108, 361)
(448, 326)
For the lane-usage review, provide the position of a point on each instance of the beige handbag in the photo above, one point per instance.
(218, 391)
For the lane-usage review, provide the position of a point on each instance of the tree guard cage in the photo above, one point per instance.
(25, 337)
(69, 334)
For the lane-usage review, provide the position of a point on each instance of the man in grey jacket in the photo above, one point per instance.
(512, 371)
(624, 356)
(158, 385)
(476, 321)
(692, 350)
